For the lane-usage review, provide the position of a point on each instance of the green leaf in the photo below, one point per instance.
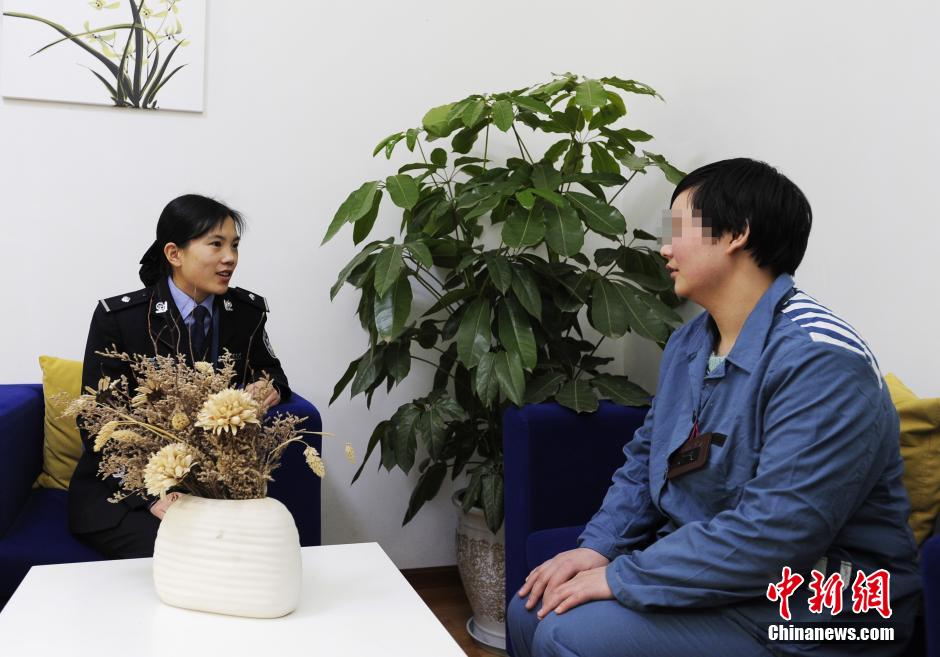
(574, 158)
(632, 86)
(578, 396)
(378, 435)
(474, 112)
(634, 162)
(499, 270)
(545, 177)
(411, 138)
(526, 198)
(601, 160)
(532, 104)
(352, 208)
(427, 487)
(439, 157)
(672, 174)
(587, 179)
(590, 94)
(640, 316)
(556, 150)
(608, 315)
(362, 200)
(370, 365)
(403, 189)
(510, 376)
(543, 386)
(515, 332)
(344, 380)
(392, 309)
(398, 360)
(474, 334)
(524, 228)
(388, 267)
(527, 292)
(492, 501)
(421, 253)
(644, 268)
(552, 197)
(403, 435)
(392, 139)
(503, 115)
(463, 141)
(436, 121)
(450, 297)
(472, 491)
(620, 390)
(600, 217)
(357, 260)
(485, 384)
(363, 225)
(563, 231)
(643, 235)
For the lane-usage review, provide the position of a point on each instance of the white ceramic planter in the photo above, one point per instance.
(237, 557)
(481, 560)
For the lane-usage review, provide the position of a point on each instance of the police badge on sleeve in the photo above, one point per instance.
(267, 343)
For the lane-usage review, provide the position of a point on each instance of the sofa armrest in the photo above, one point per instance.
(930, 571)
(557, 468)
(21, 435)
(294, 484)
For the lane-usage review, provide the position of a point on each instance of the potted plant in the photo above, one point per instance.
(505, 326)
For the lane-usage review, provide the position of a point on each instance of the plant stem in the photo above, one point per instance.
(434, 365)
(486, 145)
(522, 148)
(622, 187)
(440, 183)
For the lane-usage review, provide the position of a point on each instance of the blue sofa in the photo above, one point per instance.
(33, 521)
(558, 466)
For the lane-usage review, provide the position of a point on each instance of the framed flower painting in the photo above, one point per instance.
(141, 54)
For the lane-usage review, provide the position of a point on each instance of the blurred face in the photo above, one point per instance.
(695, 259)
(206, 264)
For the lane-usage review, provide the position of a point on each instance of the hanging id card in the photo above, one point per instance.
(693, 453)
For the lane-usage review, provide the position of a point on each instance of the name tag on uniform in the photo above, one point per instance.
(693, 453)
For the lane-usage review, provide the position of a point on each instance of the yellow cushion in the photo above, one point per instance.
(920, 449)
(62, 446)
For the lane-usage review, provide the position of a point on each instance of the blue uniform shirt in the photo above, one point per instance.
(809, 474)
(186, 304)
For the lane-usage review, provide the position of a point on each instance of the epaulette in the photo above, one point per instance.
(250, 297)
(122, 301)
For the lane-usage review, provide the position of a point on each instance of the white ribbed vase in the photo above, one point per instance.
(237, 557)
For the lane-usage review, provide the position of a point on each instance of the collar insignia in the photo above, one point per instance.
(227, 303)
(125, 298)
(161, 307)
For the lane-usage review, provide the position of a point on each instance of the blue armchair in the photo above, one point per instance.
(558, 466)
(33, 521)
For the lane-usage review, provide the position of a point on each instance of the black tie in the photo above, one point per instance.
(197, 331)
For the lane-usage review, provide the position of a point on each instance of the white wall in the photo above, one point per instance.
(839, 95)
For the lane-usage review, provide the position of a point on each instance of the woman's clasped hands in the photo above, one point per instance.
(567, 580)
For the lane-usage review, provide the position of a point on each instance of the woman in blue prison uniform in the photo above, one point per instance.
(802, 468)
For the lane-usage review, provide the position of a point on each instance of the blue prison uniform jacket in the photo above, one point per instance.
(809, 474)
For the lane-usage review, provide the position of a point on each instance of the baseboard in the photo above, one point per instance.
(426, 578)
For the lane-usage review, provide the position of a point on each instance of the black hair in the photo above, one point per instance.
(183, 219)
(739, 193)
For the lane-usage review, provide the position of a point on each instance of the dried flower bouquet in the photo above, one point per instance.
(187, 429)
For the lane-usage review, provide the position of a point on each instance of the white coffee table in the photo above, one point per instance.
(354, 602)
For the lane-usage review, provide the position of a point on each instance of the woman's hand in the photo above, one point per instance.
(586, 586)
(160, 506)
(558, 570)
(257, 388)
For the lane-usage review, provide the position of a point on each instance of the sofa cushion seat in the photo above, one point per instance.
(39, 536)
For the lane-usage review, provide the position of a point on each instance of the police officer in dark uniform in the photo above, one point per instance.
(188, 308)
